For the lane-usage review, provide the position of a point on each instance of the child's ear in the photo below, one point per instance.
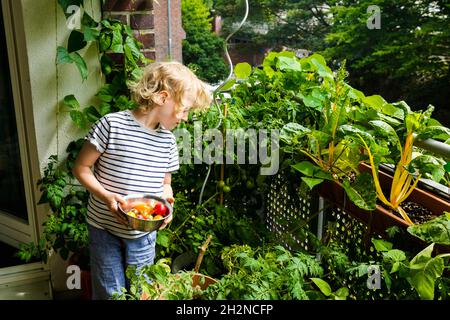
(162, 96)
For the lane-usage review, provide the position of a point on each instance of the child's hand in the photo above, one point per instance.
(166, 222)
(112, 200)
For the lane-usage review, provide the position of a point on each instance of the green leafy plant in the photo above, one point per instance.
(436, 230)
(269, 273)
(156, 282)
(65, 229)
(422, 272)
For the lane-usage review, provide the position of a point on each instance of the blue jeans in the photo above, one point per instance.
(111, 255)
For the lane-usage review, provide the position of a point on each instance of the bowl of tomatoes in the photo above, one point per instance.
(145, 212)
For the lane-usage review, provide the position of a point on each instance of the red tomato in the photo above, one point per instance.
(160, 209)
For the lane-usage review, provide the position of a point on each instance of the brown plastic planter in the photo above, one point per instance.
(380, 219)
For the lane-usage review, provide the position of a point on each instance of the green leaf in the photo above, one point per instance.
(312, 102)
(312, 182)
(291, 132)
(433, 231)
(92, 114)
(76, 41)
(323, 286)
(288, 63)
(319, 62)
(424, 272)
(435, 132)
(341, 293)
(71, 102)
(105, 41)
(269, 71)
(429, 166)
(377, 102)
(381, 245)
(88, 21)
(163, 239)
(412, 121)
(393, 111)
(362, 191)
(91, 34)
(79, 118)
(228, 85)
(447, 167)
(386, 130)
(355, 132)
(243, 70)
(62, 56)
(81, 64)
(306, 167)
(105, 93)
(117, 42)
(131, 45)
(104, 108)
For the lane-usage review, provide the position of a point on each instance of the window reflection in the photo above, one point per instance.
(12, 193)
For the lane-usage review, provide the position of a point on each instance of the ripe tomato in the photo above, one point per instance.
(160, 209)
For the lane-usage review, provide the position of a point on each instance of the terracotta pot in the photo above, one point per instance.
(86, 284)
(196, 278)
(196, 281)
(380, 219)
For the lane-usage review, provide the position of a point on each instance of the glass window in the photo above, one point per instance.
(12, 193)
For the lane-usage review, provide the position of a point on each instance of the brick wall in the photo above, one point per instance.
(149, 21)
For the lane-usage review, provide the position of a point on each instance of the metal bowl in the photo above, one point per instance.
(141, 224)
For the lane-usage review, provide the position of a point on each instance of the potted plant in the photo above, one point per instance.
(402, 185)
(65, 230)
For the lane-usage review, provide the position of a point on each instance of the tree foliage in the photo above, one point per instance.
(202, 48)
(293, 23)
(408, 57)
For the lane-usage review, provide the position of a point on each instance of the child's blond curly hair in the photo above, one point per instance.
(175, 78)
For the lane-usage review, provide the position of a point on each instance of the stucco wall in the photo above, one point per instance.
(45, 30)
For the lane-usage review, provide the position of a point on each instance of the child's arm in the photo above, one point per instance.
(82, 171)
(168, 195)
(167, 191)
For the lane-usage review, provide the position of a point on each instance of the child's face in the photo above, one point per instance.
(171, 113)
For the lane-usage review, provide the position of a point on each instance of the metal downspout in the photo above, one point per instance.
(169, 29)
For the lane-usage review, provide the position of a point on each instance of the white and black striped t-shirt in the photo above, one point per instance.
(134, 159)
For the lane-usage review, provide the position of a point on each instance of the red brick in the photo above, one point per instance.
(150, 55)
(121, 17)
(128, 5)
(141, 21)
(147, 39)
(116, 57)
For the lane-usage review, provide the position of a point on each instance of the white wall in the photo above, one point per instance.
(45, 30)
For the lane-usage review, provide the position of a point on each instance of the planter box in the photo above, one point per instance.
(380, 219)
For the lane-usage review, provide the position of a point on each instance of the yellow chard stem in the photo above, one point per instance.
(375, 176)
(397, 187)
(410, 189)
(404, 189)
(404, 215)
(330, 153)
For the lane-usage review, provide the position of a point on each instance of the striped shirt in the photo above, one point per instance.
(134, 159)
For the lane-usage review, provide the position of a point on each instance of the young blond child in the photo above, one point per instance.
(133, 151)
